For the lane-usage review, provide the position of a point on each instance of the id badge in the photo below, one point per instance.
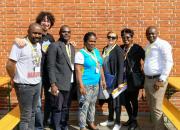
(45, 45)
(97, 70)
(72, 65)
(37, 69)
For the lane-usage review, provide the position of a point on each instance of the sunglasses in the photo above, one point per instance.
(111, 37)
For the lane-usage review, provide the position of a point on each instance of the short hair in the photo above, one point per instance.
(62, 27)
(32, 26)
(112, 32)
(127, 30)
(151, 27)
(49, 15)
(88, 35)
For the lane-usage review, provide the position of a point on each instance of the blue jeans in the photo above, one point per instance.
(27, 96)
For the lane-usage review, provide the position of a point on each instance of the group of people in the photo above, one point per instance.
(38, 61)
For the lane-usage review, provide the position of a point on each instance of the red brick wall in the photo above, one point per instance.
(99, 16)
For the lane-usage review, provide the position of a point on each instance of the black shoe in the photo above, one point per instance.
(133, 125)
(127, 123)
(46, 126)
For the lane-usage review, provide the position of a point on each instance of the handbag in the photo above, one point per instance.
(135, 79)
(110, 79)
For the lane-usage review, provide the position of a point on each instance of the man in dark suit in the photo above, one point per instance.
(60, 63)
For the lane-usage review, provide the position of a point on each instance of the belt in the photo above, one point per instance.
(26, 84)
(153, 77)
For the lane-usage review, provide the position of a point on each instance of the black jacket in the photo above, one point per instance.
(135, 54)
(44, 55)
(116, 63)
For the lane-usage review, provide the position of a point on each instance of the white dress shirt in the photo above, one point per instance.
(158, 59)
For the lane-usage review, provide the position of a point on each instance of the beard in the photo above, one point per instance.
(35, 40)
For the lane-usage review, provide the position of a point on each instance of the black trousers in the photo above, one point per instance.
(114, 105)
(47, 105)
(60, 109)
(131, 103)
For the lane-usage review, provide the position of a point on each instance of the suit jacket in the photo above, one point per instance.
(116, 64)
(59, 65)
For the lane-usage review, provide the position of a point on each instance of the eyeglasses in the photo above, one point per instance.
(126, 37)
(111, 37)
(66, 31)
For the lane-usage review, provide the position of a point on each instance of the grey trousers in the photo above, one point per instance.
(155, 99)
(27, 96)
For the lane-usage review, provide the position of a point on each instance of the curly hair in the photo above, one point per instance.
(127, 30)
(49, 15)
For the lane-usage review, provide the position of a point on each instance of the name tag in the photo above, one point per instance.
(37, 69)
(97, 70)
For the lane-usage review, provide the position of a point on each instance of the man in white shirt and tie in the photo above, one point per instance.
(157, 66)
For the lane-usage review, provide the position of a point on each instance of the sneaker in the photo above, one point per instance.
(117, 127)
(107, 123)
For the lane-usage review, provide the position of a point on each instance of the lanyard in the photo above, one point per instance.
(68, 50)
(106, 53)
(127, 52)
(36, 57)
(93, 55)
(32, 48)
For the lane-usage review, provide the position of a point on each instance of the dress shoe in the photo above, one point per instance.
(133, 125)
(127, 123)
(92, 126)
